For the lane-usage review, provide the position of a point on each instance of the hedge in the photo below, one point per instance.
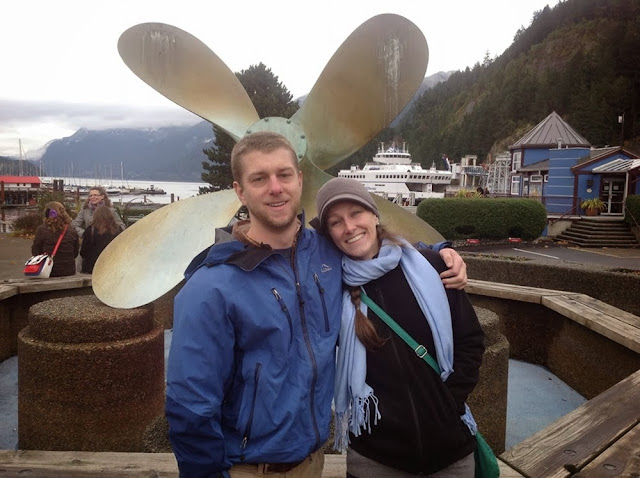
(484, 218)
(633, 209)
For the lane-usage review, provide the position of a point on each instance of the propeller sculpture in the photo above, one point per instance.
(367, 82)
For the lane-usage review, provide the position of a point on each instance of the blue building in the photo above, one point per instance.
(555, 164)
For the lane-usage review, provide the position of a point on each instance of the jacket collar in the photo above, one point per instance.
(228, 249)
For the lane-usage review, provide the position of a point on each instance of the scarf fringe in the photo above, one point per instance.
(355, 420)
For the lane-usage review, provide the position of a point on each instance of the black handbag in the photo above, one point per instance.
(486, 461)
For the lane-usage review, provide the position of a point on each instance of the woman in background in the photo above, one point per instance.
(47, 235)
(398, 416)
(97, 236)
(97, 197)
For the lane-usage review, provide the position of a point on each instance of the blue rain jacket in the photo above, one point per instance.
(251, 365)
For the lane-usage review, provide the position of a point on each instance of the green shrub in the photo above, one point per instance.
(27, 225)
(482, 218)
(632, 211)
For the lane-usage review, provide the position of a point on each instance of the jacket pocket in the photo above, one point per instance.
(284, 308)
(316, 279)
(247, 428)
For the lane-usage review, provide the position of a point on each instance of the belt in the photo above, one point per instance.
(280, 467)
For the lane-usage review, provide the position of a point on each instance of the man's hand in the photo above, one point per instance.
(455, 277)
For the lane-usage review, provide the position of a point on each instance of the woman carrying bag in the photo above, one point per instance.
(399, 416)
(47, 235)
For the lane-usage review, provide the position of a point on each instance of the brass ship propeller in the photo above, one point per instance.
(367, 82)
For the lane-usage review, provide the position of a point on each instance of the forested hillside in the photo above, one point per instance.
(580, 59)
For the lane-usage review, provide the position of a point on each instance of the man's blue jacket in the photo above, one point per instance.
(251, 365)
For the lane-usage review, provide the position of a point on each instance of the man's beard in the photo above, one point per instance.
(275, 224)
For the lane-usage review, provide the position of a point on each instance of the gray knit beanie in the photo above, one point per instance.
(341, 189)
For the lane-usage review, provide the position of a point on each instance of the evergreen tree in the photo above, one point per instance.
(270, 98)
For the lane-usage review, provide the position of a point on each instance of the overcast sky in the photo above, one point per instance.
(61, 69)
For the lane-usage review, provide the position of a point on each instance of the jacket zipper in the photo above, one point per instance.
(307, 341)
(284, 308)
(247, 430)
(324, 305)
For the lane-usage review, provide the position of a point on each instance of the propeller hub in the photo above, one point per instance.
(287, 128)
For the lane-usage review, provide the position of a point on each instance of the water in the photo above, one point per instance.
(180, 190)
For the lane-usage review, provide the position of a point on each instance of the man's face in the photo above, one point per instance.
(270, 187)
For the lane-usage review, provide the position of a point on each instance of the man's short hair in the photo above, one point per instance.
(263, 141)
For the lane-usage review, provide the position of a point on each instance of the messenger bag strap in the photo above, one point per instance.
(420, 350)
(55, 249)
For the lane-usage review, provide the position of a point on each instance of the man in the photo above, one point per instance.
(251, 366)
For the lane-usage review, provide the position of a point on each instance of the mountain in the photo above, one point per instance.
(580, 58)
(172, 153)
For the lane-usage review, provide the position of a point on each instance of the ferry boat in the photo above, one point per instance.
(394, 176)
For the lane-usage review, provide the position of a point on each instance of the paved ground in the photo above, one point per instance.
(549, 252)
(14, 252)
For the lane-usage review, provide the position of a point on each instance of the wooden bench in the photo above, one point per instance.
(49, 464)
(598, 439)
(611, 322)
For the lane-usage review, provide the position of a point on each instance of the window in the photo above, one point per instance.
(546, 178)
(517, 161)
(536, 178)
(515, 186)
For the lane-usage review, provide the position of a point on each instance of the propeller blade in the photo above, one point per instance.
(365, 85)
(185, 70)
(149, 258)
(396, 218)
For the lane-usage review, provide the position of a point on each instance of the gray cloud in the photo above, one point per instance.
(37, 123)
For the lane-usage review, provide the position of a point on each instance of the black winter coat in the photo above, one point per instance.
(93, 243)
(420, 430)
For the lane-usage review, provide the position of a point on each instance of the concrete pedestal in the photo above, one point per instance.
(488, 401)
(90, 377)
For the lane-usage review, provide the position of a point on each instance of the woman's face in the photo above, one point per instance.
(352, 228)
(95, 197)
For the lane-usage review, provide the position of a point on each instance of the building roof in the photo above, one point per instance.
(551, 132)
(598, 154)
(539, 166)
(20, 179)
(618, 166)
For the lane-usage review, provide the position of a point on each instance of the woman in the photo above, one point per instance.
(97, 197)
(97, 236)
(47, 235)
(416, 421)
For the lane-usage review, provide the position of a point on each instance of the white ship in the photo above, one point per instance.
(394, 176)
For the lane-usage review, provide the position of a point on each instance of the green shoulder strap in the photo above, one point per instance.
(420, 350)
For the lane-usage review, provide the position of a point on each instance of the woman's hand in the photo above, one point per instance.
(455, 277)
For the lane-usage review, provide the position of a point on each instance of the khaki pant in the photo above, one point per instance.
(311, 467)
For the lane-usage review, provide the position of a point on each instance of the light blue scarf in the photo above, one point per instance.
(353, 397)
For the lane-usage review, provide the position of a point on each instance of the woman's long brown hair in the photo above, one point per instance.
(57, 223)
(365, 330)
(104, 222)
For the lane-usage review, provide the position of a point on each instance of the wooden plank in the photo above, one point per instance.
(507, 472)
(622, 459)
(573, 441)
(7, 291)
(55, 283)
(620, 314)
(48, 464)
(583, 312)
(509, 291)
